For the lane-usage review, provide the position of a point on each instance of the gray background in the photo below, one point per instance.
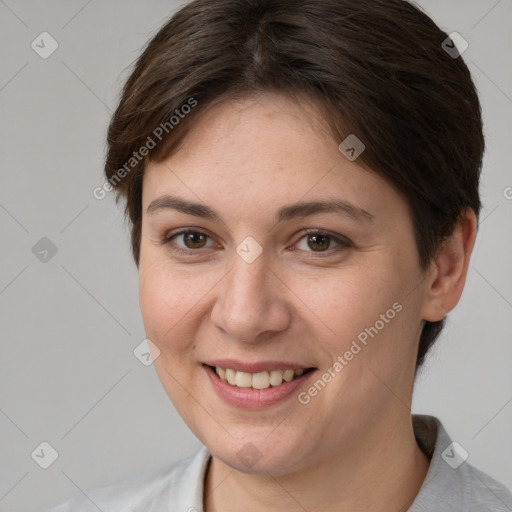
(69, 325)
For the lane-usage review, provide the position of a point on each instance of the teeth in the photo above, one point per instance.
(260, 380)
(288, 375)
(231, 376)
(276, 377)
(243, 380)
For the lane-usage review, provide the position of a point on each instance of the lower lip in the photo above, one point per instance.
(250, 398)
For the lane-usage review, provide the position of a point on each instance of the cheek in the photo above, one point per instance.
(365, 309)
(347, 301)
(169, 298)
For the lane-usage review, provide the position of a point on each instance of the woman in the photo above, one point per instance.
(301, 179)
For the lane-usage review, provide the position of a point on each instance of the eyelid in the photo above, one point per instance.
(324, 232)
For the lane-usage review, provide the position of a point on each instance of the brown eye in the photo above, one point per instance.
(191, 241)
(318, 242)
(194, 239)
(321, 242)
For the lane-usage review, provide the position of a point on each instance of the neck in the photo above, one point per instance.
(382, 472)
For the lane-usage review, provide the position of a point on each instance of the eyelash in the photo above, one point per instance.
(342, 244)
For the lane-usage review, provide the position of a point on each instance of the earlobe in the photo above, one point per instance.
(449, 269)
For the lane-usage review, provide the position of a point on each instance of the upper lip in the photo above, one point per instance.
(255, 367)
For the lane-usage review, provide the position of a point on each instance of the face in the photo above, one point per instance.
(261, 281)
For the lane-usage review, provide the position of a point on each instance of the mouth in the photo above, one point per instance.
(265, 379)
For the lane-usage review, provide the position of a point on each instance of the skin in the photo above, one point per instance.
(352, 446)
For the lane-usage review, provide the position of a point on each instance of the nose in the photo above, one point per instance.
(251, 302)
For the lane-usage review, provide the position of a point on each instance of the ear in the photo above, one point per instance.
(448, 272)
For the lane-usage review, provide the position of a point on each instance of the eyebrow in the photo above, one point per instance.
(288, 212)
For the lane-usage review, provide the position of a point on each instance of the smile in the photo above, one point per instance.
(258, 380)
(257, 390)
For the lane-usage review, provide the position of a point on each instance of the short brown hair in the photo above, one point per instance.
(377, 68)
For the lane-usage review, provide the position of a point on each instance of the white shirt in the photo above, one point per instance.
(451, 484)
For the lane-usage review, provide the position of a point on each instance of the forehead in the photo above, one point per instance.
(261, 152)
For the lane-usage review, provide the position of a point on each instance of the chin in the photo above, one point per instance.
(258, 454)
